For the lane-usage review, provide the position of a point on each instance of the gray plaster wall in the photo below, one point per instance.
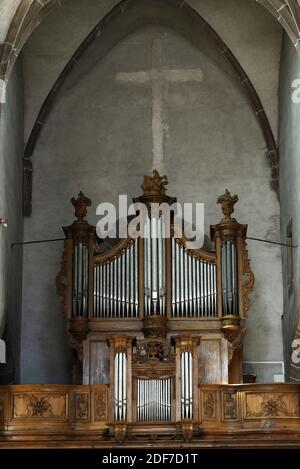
(251, 32)
(11, 174)
(99, 139)
(7, 10)
(289, 144)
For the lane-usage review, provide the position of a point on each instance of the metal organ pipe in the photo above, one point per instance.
(80, 280)
(116, 285)
(154, 400)
(161, 265)
(194, 287)
(155, 302)
(186, 385)
(229, 278)
(154, 239)
(120, 394)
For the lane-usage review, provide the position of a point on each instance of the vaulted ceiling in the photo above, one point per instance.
(19, 18)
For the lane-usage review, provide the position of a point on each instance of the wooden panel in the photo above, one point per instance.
(2, 407)
(209, 405)
(43, 406)
(271, 405)
(229, 405)
(96, 362)
(101, 405)
(82, 406)
(213, 361)
(79, 416)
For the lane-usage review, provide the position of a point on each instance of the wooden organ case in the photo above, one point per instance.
(152, 318)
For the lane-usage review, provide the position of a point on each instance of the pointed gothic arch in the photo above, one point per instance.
(126, 17)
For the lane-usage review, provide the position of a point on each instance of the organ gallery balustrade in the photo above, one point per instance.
(57, 416)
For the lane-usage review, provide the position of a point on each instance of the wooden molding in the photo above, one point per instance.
(253, 415)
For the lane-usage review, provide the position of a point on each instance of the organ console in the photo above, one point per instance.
(152, 317)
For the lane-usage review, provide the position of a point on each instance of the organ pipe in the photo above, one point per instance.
(116, 286)
(186, 385)
(80, 279)
(193, 283)
(154, 400)
(194, 288)
(229, 279)
(154, 277)
(120, 391)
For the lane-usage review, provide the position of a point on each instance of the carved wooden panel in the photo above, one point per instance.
(271, 405)
(100, 405)
(43, 406)
(1, 408)
(82, 406)
(230, 409)
(209, 405)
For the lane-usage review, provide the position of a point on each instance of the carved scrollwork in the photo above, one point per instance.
(199, 254)
(117, 251)
(187, 431)
(271, 405)
(39, 406)
(230, 406)
(120, 432)
(153, 350)
(209, 405)
(82, 406)
(152, 372)
(249, 281)
(234, 332)
(101, 406)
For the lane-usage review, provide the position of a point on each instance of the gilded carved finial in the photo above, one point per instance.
(81, 204)
(227, 202)
(154, 184)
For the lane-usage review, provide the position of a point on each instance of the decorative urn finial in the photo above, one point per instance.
(154, 191)
(81, 204)
(227, 202)
(155, 184)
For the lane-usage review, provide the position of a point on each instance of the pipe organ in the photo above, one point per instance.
(168, 317)
(194, 283)
(115, 292)
(153, 400)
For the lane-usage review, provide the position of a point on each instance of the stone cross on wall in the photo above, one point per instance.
(157, 77)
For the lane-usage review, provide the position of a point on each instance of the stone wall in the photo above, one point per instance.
(99, 139)
(289, 144)
(11, 179)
